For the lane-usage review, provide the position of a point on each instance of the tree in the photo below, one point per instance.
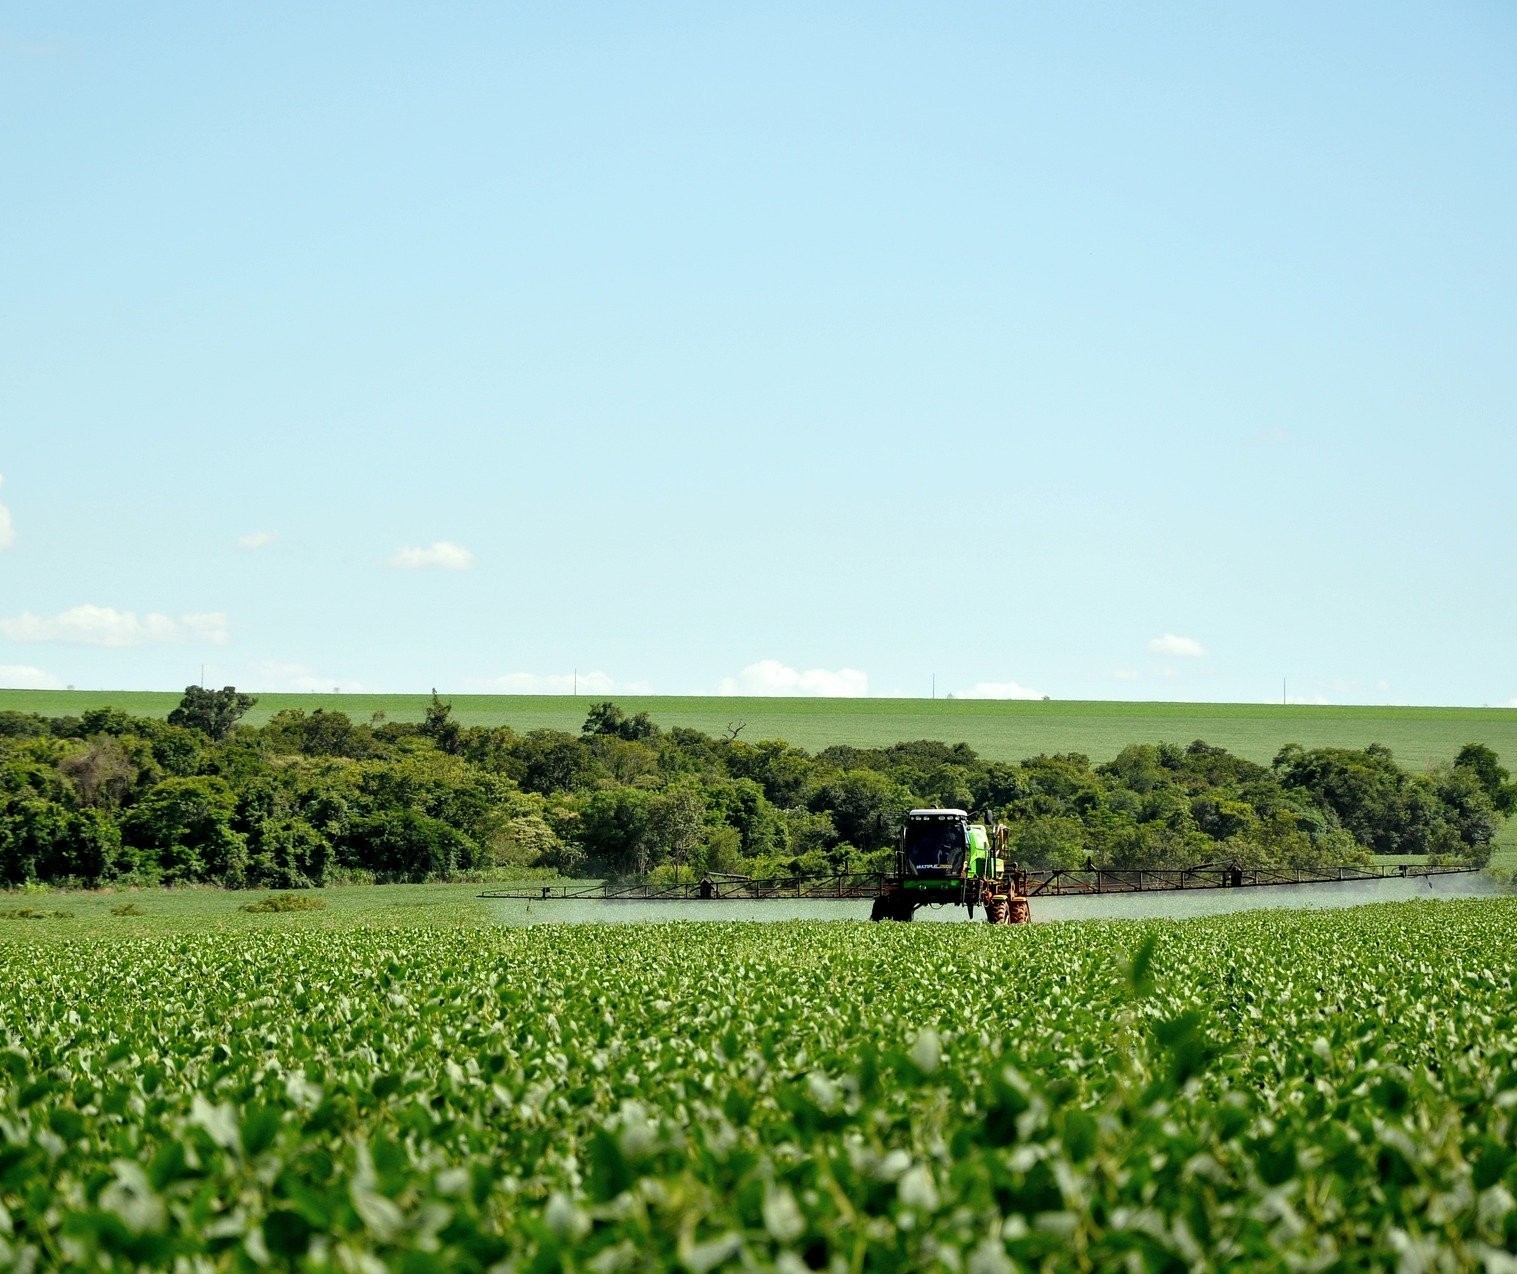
(41, 840)
(22, 725)
(102, 774)
(1492, 775)
(287, 853)
(184, 827)
(783, 771)
(551, 761)
(29, 829)
(402, 844)
(639, 728)
(607, 718)
(623, 760)
(526, 840)
(90, 852)
(212, 712)
(1365, 790)
(603, 718)
(676, 823)
(1049, 840)
(806, 833)
(320, 734)
(1468, 809)
(613, 828)
(866, 806)
(741, 805)
(440, 727)
(177, 749)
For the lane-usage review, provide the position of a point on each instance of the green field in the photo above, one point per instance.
(1266, 1090)
(68, 915)
(1000, 730)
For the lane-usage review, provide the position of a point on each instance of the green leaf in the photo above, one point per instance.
(167, 1165)
(260, 1125)
(1079, 1135)
(68, 1124)
(286, 1233)
(608, 1173)
(1140, 970)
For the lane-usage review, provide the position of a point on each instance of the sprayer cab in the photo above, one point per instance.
(935, 844)
(942, 844)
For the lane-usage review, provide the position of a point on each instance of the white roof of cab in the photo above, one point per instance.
(937, 813)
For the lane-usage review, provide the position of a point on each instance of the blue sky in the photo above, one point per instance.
(1098, 351)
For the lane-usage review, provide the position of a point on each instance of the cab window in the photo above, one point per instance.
(935, 845)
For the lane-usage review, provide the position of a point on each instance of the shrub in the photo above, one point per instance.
(284, 902)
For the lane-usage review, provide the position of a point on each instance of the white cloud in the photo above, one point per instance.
(998, 690)
(7, 531)
(272, 675)
(25, 677)
(1511, 703)
(256, 539)
(105, 626)
(1183, 647)
(1125, 674)
(770, 677)
(561, 683)
(439, 556)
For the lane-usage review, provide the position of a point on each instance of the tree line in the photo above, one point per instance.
(315, 798)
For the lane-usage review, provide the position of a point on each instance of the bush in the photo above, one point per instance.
(402, 844)
(284, 902)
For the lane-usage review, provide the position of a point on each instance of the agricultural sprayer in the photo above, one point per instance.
(946, 857)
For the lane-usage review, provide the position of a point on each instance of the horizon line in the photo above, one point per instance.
(602, 697)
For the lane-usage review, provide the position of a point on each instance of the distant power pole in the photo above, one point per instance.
(934, 685)
(1282, 692)
(576, 683)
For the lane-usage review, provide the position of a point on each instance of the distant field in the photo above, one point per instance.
(1001, 730)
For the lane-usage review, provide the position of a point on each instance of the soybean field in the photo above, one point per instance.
(1270, 1089)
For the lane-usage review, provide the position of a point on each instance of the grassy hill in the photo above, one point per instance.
(998, 729)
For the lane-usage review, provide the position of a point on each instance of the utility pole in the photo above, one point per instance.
(934, 685)
(1282, 692)
(576, 683)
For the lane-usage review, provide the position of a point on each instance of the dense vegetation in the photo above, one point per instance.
(1271, 1090)
(311, 798)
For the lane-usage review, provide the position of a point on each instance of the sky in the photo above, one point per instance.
(1082, 350)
